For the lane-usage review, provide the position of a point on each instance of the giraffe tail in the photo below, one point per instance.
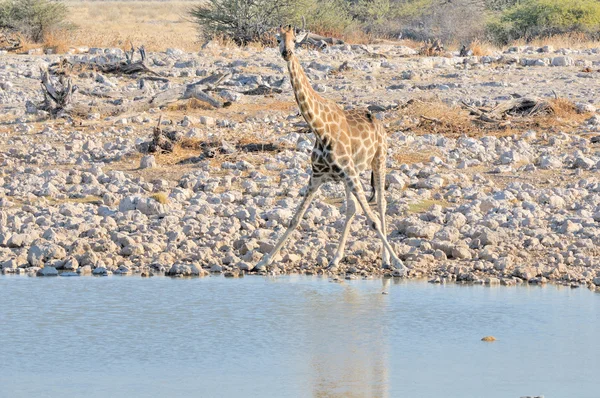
(372, 198)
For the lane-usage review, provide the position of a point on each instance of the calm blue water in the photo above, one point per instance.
(293, 337)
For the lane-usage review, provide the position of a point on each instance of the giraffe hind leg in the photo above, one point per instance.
(379, 187)
(354, 183)
(350, 213)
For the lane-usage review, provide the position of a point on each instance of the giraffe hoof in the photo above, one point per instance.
(399, 269)
(263, 265)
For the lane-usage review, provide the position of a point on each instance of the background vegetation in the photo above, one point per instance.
(452, 21)
(159, 24)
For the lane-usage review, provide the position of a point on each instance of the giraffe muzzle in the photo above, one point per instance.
(286, 54)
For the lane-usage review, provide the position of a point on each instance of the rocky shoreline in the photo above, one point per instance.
(77, 197)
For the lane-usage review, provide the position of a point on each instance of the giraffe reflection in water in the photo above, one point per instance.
(347, 359)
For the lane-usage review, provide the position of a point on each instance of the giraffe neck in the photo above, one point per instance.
(309, 102)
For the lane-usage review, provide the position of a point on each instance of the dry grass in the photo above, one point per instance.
(160, 197)
(191, 143)
(435, 117)
(439, 118)
(357, 36)
(413, 157)
(57, 41)
(415, 45)
(564, 116)
(265, 105)
(221, 42)
(178, 156)
(573, 40)
(85, 200)
(425, 205)
(157, 25)
(562, 107)
(188, 105)
(480, 48)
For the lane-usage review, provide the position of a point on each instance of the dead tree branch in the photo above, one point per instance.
(128, 67)
(315, 40)
(58, 95)
(9, 41)
(517, 107)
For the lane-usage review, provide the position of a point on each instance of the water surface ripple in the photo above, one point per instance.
(293, 336)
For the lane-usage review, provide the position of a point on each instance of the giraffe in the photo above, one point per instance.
(347, 143)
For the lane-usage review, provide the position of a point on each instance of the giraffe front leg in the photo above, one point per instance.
(350, 213)
(356, 188)
(267, 259)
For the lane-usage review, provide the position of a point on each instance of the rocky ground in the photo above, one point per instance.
(523, 205)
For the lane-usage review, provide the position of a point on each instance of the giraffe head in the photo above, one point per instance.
(287, 39)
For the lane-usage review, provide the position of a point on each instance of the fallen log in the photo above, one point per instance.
(315, 40)
(196, 90)
(263, 90)
(127, 67)
(318, 41)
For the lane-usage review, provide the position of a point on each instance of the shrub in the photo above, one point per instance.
(245, 21)
(455, 21)
(327, 17)
(33, 18)
(500, 5)
(242, 21)
(543, 18)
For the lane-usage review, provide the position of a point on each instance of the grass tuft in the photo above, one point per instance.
(480, 48)
(425, 205)
(160, 197)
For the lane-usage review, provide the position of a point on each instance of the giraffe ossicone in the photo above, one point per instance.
(347, 143)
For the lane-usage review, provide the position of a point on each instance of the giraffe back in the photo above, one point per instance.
(367, 138)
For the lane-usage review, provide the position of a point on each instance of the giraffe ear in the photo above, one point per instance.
(300, 37)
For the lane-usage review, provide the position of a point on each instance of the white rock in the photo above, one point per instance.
(207, 121)
(562, 61)
(100, 271)
(37, 255)
(47, 271)
(461, 252)
(229, 95)
(128, 203)
(585, 107)
(147, 162)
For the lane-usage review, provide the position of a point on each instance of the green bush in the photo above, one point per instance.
(412, 8)
(542, 18)
(242, 21)
(33, 18)
(327, 16)
(245, 21)
(500, 5)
